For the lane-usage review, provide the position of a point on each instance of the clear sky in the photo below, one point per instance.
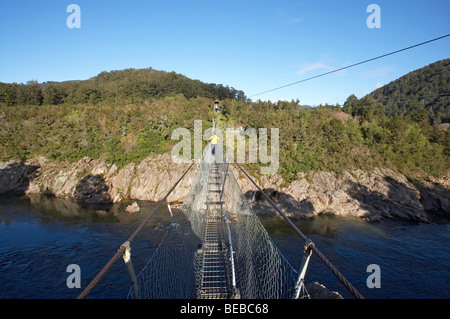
(251, 45)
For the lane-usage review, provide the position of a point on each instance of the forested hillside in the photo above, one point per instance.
(120, 133)
(326, 138)
(426, 91)
(123, 116)
(130, 85)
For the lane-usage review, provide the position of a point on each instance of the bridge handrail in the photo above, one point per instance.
(233, 272)
(333, 269)
(121, 250)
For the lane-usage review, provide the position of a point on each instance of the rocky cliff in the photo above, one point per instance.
(94, 181)
(375, 195)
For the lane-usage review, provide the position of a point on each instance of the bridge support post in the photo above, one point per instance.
(170, 209)
(130, 268)
(300, 289)
(253, 198)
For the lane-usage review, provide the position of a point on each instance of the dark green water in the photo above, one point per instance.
(40, 237)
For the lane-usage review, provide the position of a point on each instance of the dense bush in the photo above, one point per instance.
(121, 87)
(123, 116)
(426, 90)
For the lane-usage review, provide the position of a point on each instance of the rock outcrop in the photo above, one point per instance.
(374, 195)
(94, 181)
(133, 208)
(318, 291)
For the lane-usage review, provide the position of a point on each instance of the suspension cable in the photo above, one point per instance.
(352, 65)
(333, 269)
(120, 252)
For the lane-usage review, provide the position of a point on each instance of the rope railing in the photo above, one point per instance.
(254, 267)
(333, 269)
(248, 290)
(122, 248)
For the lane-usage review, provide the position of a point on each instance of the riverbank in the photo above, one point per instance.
(371, 195)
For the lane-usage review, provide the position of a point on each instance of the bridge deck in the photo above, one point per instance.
(214, 251)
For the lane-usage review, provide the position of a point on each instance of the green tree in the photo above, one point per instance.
(351, 104)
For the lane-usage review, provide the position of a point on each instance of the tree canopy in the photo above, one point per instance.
(123, 116)
(424, 90)
(130, 85)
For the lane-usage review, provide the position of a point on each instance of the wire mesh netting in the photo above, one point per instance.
(216, 247)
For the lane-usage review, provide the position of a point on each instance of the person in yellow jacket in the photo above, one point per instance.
(214, 138)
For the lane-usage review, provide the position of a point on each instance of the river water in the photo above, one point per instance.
(41, 236)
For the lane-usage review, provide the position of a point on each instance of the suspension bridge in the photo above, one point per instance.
(216, 247)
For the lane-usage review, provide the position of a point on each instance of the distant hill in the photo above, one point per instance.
(153, 83)
(114, 86)
(427, 88)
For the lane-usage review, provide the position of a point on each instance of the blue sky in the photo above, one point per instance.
(251, 45)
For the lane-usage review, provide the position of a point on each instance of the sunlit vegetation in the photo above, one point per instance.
(123, 116)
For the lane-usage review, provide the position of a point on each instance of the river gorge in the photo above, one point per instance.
(371, 195)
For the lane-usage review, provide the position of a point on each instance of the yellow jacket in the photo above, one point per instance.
(214, 139)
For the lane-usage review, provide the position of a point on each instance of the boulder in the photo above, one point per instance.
(133, 208)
